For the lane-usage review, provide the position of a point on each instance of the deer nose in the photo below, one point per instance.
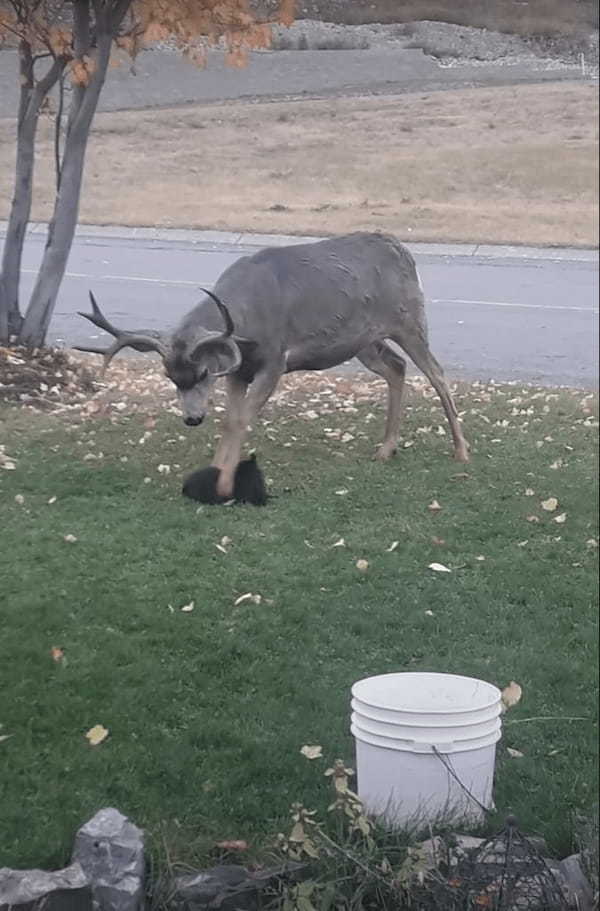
(193, 421)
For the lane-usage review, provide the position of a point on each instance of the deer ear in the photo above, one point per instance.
(219, 356)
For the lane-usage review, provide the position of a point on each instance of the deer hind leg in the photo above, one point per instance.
(417, 349)
(243, 412)
(386, 363)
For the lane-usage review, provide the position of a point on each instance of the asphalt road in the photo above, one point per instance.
(531, 320)
(162, 78)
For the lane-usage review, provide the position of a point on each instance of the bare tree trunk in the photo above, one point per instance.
(66, 209)
(31, 97)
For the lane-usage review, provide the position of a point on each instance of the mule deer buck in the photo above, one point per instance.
(301, 307)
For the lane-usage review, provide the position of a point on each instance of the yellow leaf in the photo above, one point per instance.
(392, 547)
(550, 504)
(511, 695)
(187, 608)
(96, 735)
(434, 506)
(286, 12)
(234, 845)
(312, 752)
(362, 565)
(561, 519)
(57, 654)
(70, 539)
(439, 568)
(297, 834)
(514, 754)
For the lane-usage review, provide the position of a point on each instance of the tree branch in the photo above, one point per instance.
(81, 27)
(26, 74)
(57, 129)
(43, 85)
(119, 11)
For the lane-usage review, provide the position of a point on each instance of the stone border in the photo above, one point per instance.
(249, 239)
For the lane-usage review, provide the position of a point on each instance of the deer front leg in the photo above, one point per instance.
(237, 423)
(236, 392)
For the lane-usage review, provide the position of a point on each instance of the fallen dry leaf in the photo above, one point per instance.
(434, 506)
(561, 519)
(429, 613)
(57, 654)
(511, 695)
(96, 735)
(342, 492)
(19, 499)
(550, 504)
(187, 608)
(533, 518)
(514, 754)
(392, 547)
(235, 845)
(439, 542)
(312, 752)
(340, 543)
(164, 469)
(70, 539)
(439, 568)
(256, 599)
(51, 501)
(5, 737)
(529, 492)
(362, 565)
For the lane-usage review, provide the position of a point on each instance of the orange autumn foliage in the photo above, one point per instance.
(192, 25)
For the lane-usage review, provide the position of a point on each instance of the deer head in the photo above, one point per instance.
(192, 362)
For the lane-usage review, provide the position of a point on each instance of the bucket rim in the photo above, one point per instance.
(359, 685)
(413, 732)
(422, 747)
(454, 720)
(446, 735)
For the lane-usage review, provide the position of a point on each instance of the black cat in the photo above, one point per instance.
(248, 485)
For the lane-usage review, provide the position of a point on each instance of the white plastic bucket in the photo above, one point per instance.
(425, 746)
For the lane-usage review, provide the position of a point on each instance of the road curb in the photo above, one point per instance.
(256, 240)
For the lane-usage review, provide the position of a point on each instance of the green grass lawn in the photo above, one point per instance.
(208, 709)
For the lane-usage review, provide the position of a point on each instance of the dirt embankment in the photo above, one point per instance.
(497, 165)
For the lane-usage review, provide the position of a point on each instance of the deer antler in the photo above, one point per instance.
(229, 327)
(140, 340)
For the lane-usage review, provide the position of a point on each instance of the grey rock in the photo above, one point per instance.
(110, 850)
(579, 891)
(34, 890)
